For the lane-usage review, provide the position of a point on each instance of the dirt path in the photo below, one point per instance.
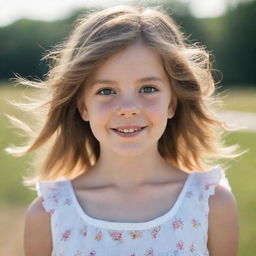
(245, 120)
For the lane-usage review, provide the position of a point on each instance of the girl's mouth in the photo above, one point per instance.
(127, 133)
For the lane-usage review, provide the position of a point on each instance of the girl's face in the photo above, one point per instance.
(129, 89)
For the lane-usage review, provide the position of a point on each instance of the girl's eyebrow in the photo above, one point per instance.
(112, 82)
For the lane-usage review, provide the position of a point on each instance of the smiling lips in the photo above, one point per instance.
(129, 127)
(128, 131)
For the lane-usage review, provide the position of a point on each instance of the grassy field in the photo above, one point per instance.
(14, 197)
(241, 99)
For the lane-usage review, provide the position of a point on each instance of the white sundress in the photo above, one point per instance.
(181, 231)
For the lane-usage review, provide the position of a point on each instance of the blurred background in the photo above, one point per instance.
(28, 29)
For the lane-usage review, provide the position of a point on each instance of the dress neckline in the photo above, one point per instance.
(129, 225)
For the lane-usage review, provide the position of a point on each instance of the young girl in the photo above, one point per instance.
(128, 170)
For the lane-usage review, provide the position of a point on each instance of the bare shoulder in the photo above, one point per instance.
(223, 232)
(37, 232)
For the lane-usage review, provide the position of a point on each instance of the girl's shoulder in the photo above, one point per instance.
(37, 221)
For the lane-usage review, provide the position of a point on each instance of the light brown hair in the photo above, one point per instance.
(193, 138)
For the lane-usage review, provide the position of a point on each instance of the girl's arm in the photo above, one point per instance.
(223, 232)
(37, 233)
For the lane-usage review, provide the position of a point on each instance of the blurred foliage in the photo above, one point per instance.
(25, 42)
(231, 40)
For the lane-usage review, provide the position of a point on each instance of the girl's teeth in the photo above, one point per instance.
(129, 131)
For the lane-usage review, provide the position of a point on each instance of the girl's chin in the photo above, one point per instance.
(129, 151)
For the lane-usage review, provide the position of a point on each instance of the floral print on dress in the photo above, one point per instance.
(155, 231)
(98, 236)
(84, 231)
(66, 235)
(208, 185)
(55, 198)
(92, 253)
(135, 234)
(44, 202)
(67, 202)
(192, 248)
(180, 245)
(195, 223)
(149, 252)
(189, 194)
(182, 232)
(116, 236)
(52, 211)
(177, 224)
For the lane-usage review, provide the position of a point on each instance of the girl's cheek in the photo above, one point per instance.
(107, 106)
(103, 108)
(155, 107)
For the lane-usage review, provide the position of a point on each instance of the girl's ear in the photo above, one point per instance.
(172, 107)
(82, 109)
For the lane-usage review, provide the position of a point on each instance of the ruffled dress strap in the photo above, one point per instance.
(205, 184)
(212, 178)
(52, 193)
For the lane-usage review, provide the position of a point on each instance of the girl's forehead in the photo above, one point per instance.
(113, 82)
(137, 59)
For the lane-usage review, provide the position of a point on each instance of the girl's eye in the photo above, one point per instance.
(106, 90)
(145, 89)
(148, 89)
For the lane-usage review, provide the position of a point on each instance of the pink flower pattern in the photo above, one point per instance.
(189, 194)
(92, 253)
(66, 235)
(55, 198)
(84, 231)
(155, 231)
(208, 185)
(52, 211)
(116, 236)
(180, 245)
(177, 224)
(192, 247)
(149, 252)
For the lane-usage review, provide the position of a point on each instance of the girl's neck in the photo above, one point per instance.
(125, 172)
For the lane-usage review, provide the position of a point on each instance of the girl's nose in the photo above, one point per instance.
(128, 108)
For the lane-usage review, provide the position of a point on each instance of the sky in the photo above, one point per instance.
(48, 10)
